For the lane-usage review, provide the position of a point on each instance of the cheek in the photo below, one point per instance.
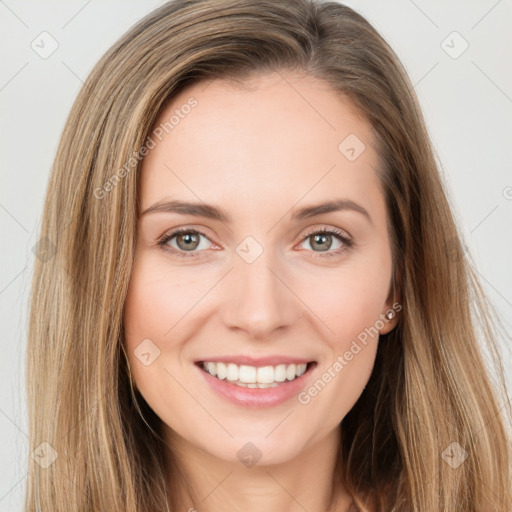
(350, 300)
(157, 301)
(153, 306)
(350, 305)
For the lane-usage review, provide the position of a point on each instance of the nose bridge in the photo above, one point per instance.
(257, 299)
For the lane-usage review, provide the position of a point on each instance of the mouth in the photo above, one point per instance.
(260, 377)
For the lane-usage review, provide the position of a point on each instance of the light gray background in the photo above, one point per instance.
(467, 103)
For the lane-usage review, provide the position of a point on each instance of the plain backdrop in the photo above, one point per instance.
(458, 55)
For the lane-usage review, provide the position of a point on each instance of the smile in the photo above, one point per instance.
(253, 376)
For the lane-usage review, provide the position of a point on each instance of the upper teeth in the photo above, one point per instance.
(255, 375)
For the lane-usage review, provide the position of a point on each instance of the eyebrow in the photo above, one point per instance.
(220, 214)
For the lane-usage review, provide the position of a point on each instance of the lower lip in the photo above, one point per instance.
(256, 397)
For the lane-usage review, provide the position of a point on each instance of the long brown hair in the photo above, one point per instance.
(431, 393)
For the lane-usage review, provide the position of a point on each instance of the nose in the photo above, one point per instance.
(258, 299)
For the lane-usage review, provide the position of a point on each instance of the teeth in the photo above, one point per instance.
(265, 375)
(252, 385)
(252, 376)
(280, 373)
(222, 371)
(246, 373)
(232, 372)
(212, 368)
(290, 372)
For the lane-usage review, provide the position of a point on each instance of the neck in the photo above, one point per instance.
(303, 483)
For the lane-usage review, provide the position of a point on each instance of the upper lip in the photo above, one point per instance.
(256, 361)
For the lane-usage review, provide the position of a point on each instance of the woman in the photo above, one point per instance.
(190, 346)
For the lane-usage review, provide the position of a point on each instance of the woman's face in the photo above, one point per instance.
(250, 281)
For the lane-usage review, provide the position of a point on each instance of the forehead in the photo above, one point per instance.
(276, 137)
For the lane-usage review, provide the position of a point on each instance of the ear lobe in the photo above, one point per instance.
(394, 306)
(390, 321)
(390, 317)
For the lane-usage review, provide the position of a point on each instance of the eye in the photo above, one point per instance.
(322, 239)
(187, 240)
(184, 241)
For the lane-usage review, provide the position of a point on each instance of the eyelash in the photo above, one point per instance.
(347, 242)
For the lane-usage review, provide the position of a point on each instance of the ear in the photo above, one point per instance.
(390, 317)
(392, 313)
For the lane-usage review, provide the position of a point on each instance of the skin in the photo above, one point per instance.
(260, 153)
